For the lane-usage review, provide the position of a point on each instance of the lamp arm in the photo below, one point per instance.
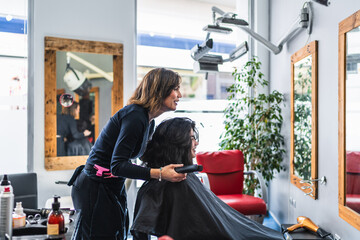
(291, 33)
(304, 20)
(294, 29)
(217, 10)
(89, 65)
(266, 43)
(221, 12)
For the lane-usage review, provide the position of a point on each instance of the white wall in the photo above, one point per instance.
(109, 21)
(324, 211)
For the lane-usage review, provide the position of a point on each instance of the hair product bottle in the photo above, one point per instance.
(5, 182)
(6, 209)
(55, 222)
(19, 216)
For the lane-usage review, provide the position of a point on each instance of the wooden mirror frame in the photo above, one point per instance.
(53, 44)
(345, 212)
(310, 49)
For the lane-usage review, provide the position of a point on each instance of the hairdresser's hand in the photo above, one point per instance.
(87, 133)
(168, 173)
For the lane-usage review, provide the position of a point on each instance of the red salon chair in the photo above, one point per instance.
(224, 172)
(353, 180)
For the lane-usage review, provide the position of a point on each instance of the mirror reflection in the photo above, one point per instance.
(302, 120)
(66, 100)
(303, 148)
(352, 119)
(79, 77)
(349, 99)
(92, 73)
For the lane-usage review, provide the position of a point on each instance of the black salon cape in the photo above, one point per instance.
(188, 210)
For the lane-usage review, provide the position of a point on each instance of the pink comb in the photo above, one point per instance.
(101, 171)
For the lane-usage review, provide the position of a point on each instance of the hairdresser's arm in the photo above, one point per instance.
(73, 129)
(132, 128)
(168, 173)
(131, 134)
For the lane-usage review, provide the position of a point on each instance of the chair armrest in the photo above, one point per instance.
(203, 177)
(262, 184)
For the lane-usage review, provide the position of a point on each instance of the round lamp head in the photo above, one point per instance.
(77, 82)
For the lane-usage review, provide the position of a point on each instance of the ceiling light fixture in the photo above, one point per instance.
(198, 51)
(304, 21)
(323, 2)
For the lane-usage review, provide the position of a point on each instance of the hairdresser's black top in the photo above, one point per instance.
(124, 137)
(66, 126)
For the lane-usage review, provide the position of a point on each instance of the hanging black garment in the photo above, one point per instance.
(187, 210)
(102, 202)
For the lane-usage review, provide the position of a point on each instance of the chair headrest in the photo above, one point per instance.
(353, 162)
(225, 161)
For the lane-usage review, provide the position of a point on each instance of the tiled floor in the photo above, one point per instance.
(271, 223)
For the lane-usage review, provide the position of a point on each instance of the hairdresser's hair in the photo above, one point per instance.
(171, 143)
(154, 88)
(70, 110)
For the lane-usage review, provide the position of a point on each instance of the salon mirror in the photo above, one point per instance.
(349, 119)
(303, 156)
(83, 89)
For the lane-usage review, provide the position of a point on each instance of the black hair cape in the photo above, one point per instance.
(188, 210)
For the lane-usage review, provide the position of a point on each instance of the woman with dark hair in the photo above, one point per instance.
(186, 210)
(98, 189)
(71, 141)
(171, 143)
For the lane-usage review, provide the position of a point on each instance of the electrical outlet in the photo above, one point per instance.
(292, 202)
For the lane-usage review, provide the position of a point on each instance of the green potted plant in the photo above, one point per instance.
(253, 124)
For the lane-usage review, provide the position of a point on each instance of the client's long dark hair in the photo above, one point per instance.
(171, 143)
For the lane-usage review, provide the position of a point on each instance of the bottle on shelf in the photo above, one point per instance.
(5, 183)
(19, 217)
(55, 221)
(6, 210)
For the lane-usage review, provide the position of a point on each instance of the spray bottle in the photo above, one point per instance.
(6, 209)
(5, 182)
(19, 216)
(55, 222)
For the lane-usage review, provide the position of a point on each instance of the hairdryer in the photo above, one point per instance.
(304, 222)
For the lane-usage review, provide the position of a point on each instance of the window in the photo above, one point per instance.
(13, 86)
(166, 32)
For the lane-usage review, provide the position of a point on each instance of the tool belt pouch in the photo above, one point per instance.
(75, 175)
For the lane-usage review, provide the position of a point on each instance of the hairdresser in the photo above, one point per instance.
(98, 190)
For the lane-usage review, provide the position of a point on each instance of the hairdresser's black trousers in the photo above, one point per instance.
(102, 206)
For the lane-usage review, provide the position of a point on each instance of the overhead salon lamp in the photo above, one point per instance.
(78, 82)
(303, 21)
(323, 2)
(205, 62)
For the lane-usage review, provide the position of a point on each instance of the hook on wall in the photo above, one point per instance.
(310, 185)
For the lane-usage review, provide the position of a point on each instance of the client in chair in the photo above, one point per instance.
(186, 210)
